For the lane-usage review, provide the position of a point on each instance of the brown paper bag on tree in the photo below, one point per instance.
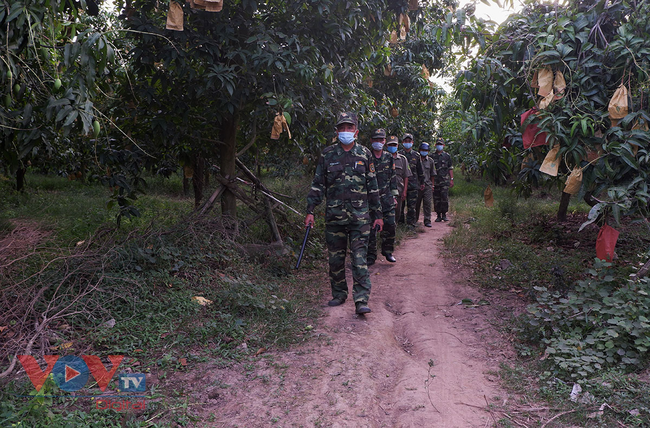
(574, 181)
(393, 37)
(279, 124)
(197, 4)
(618, 104)
(425, 72)
(545, 81)
(213, 5)
(175, 17)
(546, 101)
(528, 161)
(489, 197)
(551, 162)
(405, 21)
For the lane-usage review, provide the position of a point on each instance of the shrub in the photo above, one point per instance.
(601, 323)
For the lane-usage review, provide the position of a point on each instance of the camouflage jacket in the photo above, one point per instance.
(386, 180)
(416, 168)
(443, 165)
(347, 180)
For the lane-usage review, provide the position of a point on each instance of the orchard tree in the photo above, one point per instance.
(597, 47)
(218, 84)
(54, 64)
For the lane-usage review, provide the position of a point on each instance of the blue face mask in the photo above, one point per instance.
(407, 146)
(423, 153)
(377, 146)
(439, 147)
(391, 149)
(346, 137)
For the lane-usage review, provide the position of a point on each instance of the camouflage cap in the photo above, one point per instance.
(378, 133)
(407, 136)
(440, 141)
(347, 117)
(392, 140)
(424, 146)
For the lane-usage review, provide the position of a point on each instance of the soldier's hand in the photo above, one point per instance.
(421, 187)
(403, 197)
(451, 184)
(379, 222)
(309, 220)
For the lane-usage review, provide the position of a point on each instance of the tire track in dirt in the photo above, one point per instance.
(416, 361)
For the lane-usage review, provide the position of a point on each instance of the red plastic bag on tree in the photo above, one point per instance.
(530, 136)
(606, 242)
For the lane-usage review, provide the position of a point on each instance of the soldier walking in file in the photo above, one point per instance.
(444, 180)
(345, 177)
(402, 173)
(387, 183)
(425, 195)
(415, 183)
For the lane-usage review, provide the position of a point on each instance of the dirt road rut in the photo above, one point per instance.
(418, 360)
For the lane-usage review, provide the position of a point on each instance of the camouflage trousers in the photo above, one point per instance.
(441, 198)
(337, 238)
(425, 198)
(411, 200)
(387, 236)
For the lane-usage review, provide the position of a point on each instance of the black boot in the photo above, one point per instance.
(439, 218)
(444, 217)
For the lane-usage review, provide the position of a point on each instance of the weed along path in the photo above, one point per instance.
(418, 360)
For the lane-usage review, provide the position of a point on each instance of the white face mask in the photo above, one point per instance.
(377, 146)
(346, 138)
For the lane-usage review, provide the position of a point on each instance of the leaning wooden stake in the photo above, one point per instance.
(270, 219)
(207, 206)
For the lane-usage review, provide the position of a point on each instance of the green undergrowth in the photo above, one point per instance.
(167, 290)
(582, 321)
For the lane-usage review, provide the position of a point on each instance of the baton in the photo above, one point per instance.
(304, 243)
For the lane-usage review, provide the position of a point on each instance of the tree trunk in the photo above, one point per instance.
(228, 170)
(198, 163)
(186, 186)
(564, 206)
(20, 179)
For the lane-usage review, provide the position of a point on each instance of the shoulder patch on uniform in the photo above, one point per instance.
(372, 167)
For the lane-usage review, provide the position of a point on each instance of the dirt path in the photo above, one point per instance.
(418, 360)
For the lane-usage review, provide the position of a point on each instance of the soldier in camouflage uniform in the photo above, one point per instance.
(402, 173)
(345, 176)
(444, 180)
(387, 183)
(415, 183)
(425, 196)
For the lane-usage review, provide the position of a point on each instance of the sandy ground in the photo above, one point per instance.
(420, 359)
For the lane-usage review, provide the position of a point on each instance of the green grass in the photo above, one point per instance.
(75, 210)
(144, 277)
(542, 252)
(518, 233)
